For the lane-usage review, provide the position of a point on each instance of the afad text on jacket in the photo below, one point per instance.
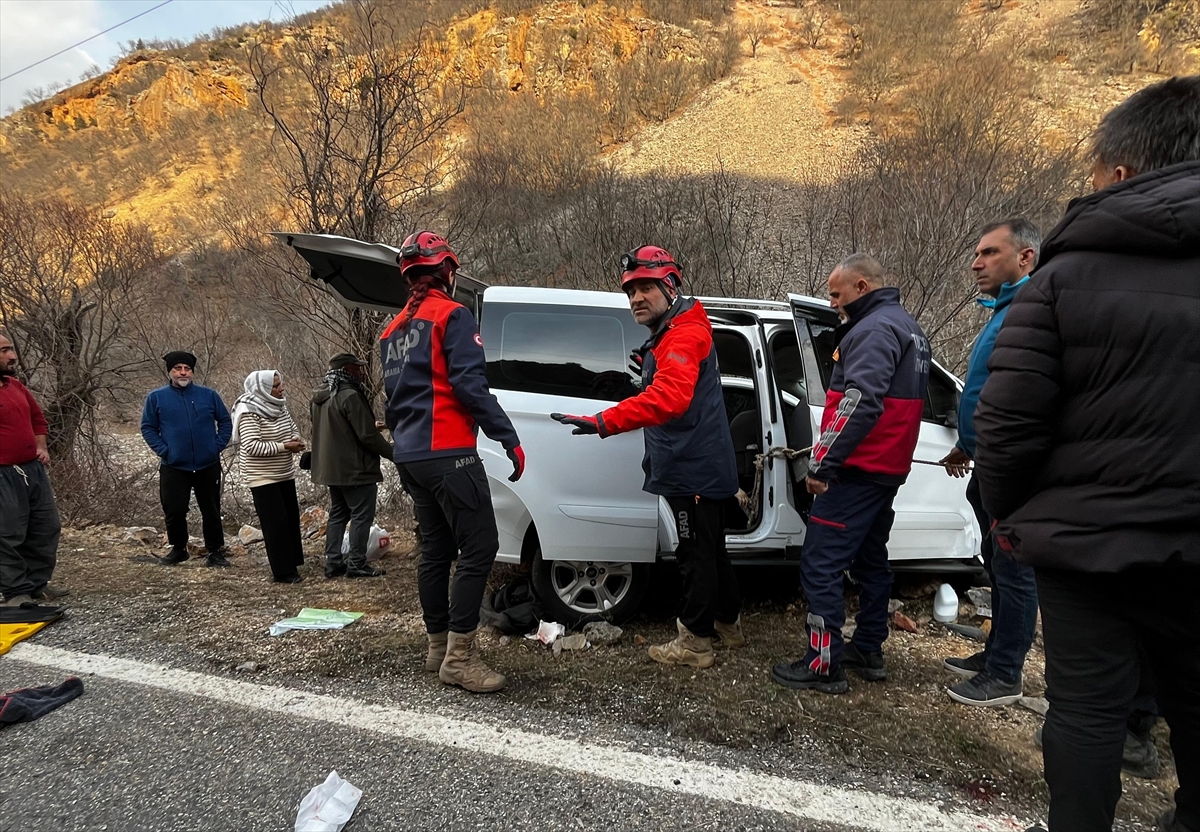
(689, 451)
(876, 394)
(435, 384)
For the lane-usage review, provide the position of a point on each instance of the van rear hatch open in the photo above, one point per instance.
(366, 275)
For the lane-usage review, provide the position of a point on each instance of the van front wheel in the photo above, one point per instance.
(574, 592)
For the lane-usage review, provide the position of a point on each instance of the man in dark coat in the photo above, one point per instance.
(1089, 453)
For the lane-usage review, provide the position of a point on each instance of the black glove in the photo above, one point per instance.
(584, 425)
(518, 460)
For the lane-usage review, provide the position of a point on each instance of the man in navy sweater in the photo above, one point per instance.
(188, 426)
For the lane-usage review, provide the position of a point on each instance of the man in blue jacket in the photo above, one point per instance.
(1006, 254)
(869, 431)
(188, 426)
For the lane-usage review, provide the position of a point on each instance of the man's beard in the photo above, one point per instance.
(181, 382)
(8, 369)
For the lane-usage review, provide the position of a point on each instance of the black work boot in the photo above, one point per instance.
(970, 666)
(218, 558)
(868, 666)
(176, 555)
(363, 570)
(799, 676)
(334, 568)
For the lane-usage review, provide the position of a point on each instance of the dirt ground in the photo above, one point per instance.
(907, 725)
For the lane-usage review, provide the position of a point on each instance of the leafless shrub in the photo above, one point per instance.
(755, 31)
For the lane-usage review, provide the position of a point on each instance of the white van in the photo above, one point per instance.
(579, 516)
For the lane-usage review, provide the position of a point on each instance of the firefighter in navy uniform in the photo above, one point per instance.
(437, 399)
(868, 434)
(689, 453)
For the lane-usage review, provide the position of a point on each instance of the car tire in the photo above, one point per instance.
(576, 592)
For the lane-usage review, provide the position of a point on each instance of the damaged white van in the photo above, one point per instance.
(579, 516)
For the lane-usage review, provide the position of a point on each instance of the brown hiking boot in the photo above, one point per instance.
(731, 635)
(463, 667)
(686, 648)
(437, 652)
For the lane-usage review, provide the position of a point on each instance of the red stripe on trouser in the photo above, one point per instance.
(823, 522)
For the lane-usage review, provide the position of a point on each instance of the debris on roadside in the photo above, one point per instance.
(601, 633)
(639, 641)
(1037, 704)
(849, 627)
(981, 597)
(945, 604)
(377, 544)
(328, 806)
(547, 632)
(146, 535)
(894, 604)
(247, 667)
(310, 618)
(312, 521)
(249, 535)
(967, 631)
(903, 622)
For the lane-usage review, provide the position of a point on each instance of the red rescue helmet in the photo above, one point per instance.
(425, 248)
(650, 263)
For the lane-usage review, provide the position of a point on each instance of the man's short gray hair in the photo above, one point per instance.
(865, 266)
(1024, 234)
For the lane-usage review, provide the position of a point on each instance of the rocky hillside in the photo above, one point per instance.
(769, 89)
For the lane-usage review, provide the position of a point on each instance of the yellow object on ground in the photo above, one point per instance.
(10, 634)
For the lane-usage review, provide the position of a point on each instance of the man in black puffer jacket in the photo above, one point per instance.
(1089, 453)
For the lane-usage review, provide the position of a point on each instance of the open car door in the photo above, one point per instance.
(367, 275)
(934, 521)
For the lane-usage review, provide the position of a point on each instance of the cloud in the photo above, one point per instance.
(32, 29)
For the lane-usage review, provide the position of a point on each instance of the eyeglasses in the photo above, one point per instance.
(630, 261)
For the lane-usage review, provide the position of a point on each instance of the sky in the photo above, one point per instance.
(33, 29)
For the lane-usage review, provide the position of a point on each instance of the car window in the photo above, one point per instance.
(941, 400)
(788, 364)
(733, 354)
(560, 350)
(823, 346)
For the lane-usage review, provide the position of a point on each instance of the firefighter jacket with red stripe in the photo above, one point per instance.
(435, 384)
(689, 451)
(873, 407)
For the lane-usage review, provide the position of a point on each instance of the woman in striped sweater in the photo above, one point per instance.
(267, 439)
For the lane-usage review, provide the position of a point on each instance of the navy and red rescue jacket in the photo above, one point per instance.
(876, 395)
(689, 451)
(435, 384)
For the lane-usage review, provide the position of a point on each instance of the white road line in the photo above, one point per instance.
(811, 801)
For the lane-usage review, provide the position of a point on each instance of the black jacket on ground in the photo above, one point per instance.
(1089, 423)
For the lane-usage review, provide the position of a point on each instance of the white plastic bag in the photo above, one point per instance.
(376, 546)
(328, 807)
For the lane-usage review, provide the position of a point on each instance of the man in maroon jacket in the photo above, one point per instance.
(29, 525)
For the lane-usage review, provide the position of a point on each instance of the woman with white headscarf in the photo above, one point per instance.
(267, 439)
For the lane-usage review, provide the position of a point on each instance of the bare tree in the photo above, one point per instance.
(360, 121)
(812, 22)
(70, 281)
(755, 31)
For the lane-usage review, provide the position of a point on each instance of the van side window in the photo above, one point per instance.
(941, 400)
(788, 364)
(580, 352)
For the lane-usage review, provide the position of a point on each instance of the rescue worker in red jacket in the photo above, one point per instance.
(868, 435)
(437, 399)
(689, 452)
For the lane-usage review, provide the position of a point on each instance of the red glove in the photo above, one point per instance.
(518, 460)
(584, 425)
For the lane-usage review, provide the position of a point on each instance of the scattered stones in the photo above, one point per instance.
(981, 597)
(249, 535)
(312, 521)
(236, 550)
(601, 632)
(575, 641)
(247, 667)
(848, 628)
(903, 622)
(146, 535)
(1037, 704)
(195, 547)
(639, 641)
(894, 604)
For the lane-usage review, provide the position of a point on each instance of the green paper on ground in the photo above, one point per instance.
(311, 618)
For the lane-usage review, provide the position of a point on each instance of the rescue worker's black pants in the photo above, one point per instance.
(1093, 625)
(454, 510)
(175, 487)
(29, 529)
(710, 589)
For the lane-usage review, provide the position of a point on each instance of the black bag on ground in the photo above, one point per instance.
(513, 609)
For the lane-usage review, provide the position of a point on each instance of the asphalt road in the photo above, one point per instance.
(156, 755)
